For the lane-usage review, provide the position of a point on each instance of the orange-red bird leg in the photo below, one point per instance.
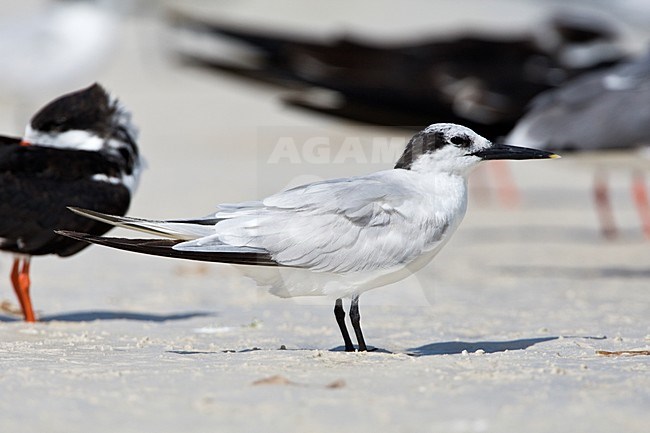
(479, 186)
(640, 194)
(604, 206)
(21, 282)
(506, 187)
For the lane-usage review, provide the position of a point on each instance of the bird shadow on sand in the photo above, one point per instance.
(255, 349)
(455, 347)
(578, 273)
(442, 348)
(91, 316)
(370, 349)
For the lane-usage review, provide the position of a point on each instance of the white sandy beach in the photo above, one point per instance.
(500, 333)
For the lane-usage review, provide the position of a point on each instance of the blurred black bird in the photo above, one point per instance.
(482, 81)
(78, 150)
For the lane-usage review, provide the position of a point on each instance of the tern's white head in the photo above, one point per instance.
(455, 149)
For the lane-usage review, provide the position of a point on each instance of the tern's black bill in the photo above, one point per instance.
(503, 151)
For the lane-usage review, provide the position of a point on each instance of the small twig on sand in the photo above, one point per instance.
(623, 352)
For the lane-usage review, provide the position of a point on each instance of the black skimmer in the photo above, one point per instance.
(483, 81)
(599, 113)
(339, 237)
(78, 150)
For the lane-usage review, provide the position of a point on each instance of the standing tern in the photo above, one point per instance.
(79, 148)
(338, 237)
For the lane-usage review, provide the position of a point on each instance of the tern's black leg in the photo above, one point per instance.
(355, 318)
(339, 313)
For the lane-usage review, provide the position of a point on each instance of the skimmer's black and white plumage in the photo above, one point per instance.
(337, 237)
(79, 150)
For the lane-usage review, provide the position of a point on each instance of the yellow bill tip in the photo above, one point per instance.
(555, 156)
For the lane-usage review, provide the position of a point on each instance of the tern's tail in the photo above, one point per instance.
(164, 248)
(173, 229)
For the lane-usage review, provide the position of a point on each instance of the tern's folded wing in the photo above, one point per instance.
(344, 225)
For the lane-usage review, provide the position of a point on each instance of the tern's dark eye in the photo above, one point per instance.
(461, 140)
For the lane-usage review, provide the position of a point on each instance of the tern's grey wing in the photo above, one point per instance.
(345, 225)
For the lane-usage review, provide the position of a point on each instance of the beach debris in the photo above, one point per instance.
(281, 380)
(623, 353)
(274, 380)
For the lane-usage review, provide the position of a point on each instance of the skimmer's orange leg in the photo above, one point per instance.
(21, 283)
